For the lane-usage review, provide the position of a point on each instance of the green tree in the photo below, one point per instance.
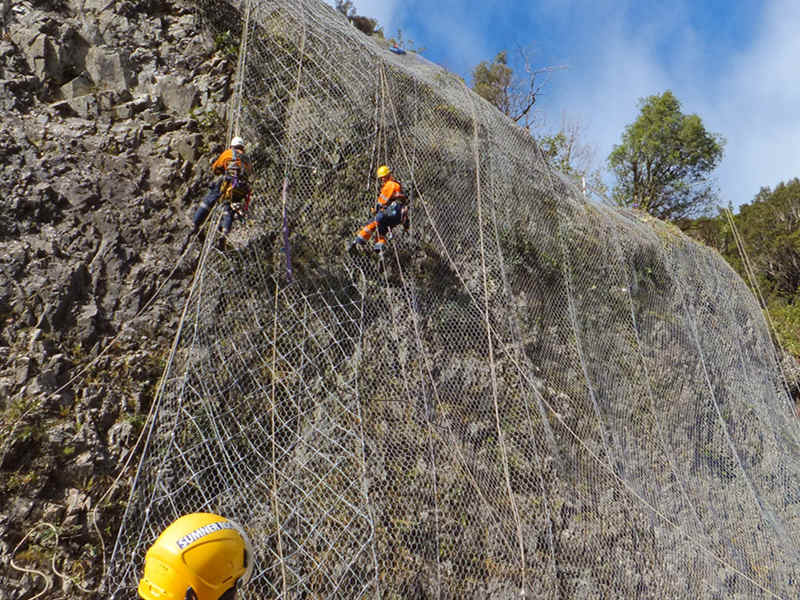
(665, 159)
(769, 232)
(365, 24)
(513, 93)
(492, 81)
(770, 228)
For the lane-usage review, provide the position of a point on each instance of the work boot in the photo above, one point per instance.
(357, 242)
(379, 248)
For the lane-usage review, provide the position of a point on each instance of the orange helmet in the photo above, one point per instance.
(384, 171)
(201, 555)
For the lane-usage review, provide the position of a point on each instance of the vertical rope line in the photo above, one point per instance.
(373, 155)
(382, 139)
(750, 272)
(410, 301)
(589, 451)
(233, 123)
(425, 368)
(363, 457)
(289, 162)
(489, 337)
(602, 464)
(429, 410)
(515, 324)
(153, 415)
(292, 148)
(287, 249)
(648, 384)
(425, 363)
(274, 376)
(572, 312)
(696, 338)
(418, 338)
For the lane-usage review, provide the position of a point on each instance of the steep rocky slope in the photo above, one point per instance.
(109, 113)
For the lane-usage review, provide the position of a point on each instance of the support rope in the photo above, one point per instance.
(492, 366)
(751, 277)
(591, 453)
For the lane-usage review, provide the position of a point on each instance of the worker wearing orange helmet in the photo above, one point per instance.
(200, 556)
(391, 209)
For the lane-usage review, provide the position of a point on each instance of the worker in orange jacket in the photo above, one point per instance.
(234, 185)
(391, 209)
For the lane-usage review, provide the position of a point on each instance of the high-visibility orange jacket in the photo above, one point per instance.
(390, 191)
(221, 164)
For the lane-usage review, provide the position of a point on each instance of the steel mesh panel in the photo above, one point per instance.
(535, 395)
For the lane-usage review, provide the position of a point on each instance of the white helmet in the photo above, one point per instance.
(237, 142)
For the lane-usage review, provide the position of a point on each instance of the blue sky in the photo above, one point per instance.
(734, 63)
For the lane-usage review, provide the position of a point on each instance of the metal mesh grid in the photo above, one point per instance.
(532, 395)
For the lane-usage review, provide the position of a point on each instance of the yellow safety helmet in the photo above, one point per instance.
(201, 556)
(383, 171)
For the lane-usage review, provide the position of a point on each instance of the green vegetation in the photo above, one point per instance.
(225, 43)
(786, 319)
(365, 24)
(770, 231)
(664, 160)
(492, 81)
(19, 481)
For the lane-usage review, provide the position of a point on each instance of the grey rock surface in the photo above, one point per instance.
(104, 152)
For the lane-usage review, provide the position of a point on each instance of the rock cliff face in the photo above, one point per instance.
(109, 114)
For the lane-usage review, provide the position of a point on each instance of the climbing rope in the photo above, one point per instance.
(48, 580)
(274, 373)
(131, 452)
(492, 366)
(604, 465)
(362, 433)
(386, 93)
(751, 278)
(323, 437)
(490, 509)
(241, 66)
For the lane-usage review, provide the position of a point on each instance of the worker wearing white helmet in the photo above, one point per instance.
(234, 186)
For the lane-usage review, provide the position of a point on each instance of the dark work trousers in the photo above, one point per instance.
(205, 207)
(389, 217)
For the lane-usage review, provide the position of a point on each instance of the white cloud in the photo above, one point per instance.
(752, 99)
(619, 51)
(386, 12)
(604, 81)
(758, 107)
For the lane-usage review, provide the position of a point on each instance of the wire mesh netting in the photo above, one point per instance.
(527, 395)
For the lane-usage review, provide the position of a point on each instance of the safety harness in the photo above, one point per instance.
(236, 186)
(397, 207)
